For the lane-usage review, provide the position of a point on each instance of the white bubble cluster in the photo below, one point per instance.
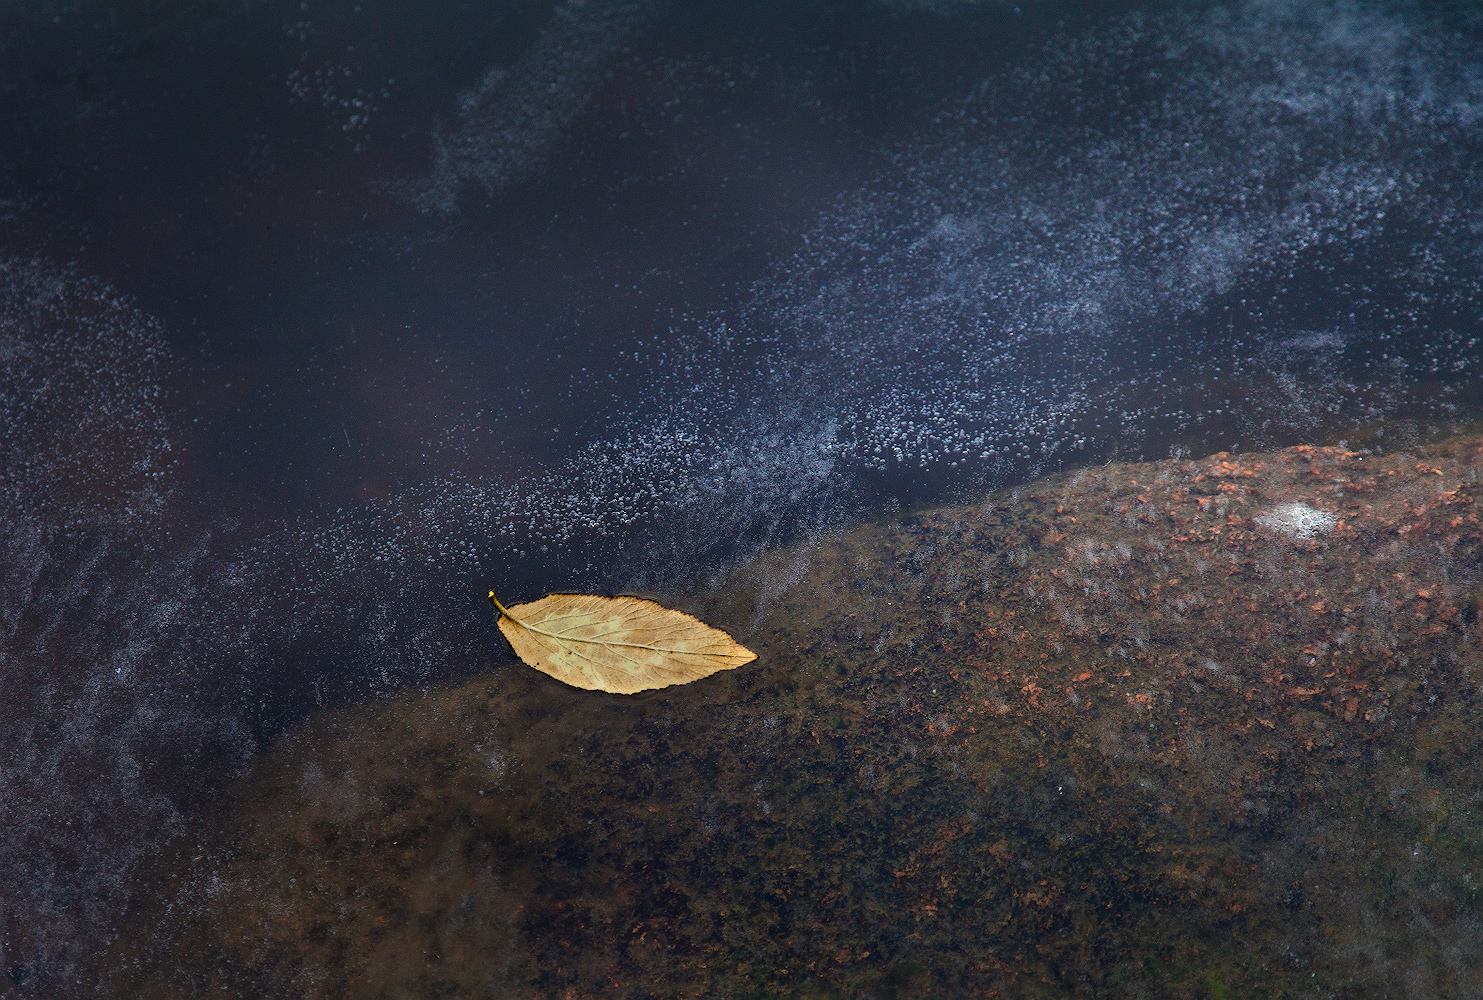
(77, 364)
(340, 87)
(1297, 520)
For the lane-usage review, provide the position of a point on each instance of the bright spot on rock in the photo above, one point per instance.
(1297, 520)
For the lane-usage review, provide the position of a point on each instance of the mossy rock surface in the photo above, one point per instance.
(1144, 730)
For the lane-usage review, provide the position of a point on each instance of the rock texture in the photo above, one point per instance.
(1139, 730)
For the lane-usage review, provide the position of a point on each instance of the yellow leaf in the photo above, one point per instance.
(616, 644)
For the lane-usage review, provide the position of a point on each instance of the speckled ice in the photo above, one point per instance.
(983, 303)
(1025, 278)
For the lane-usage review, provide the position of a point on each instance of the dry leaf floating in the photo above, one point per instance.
(617, 644)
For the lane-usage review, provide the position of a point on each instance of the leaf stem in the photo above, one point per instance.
(502, 609)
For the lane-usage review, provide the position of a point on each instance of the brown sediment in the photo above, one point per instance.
(1108, 734)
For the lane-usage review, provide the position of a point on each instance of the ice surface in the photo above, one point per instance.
(103, 733)
(1250, 224)
(1233, 220)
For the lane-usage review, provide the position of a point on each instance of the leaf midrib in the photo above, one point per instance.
(603, 642)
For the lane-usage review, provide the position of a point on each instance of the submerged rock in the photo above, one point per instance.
(1128, 731)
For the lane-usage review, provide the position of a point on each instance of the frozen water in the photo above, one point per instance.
(1233, 220)
(1238, 226)
(104, 734)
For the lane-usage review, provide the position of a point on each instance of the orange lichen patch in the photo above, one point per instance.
(1221, 467)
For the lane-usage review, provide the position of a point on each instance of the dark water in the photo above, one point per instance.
(317, 320)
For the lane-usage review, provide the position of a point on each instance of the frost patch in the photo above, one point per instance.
(1297, 520)
(513, 121)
